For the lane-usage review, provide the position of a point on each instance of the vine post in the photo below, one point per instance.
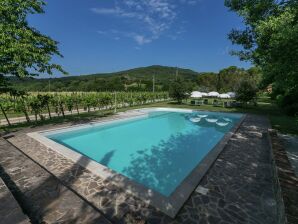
(115, 108)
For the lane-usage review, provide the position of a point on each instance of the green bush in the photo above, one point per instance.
(246, 91)
(179, 90)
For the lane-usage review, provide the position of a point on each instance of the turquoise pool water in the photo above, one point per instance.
(158, 151)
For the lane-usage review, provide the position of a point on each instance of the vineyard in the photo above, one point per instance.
(45, 105)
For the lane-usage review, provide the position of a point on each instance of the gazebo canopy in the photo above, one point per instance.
(213, 94)
(196, 94)
(224, 96)
(231, 94)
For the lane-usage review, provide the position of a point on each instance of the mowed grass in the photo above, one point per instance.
(279, 121)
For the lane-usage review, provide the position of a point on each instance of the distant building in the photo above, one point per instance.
(269, 88)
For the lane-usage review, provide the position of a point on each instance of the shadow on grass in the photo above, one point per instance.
(73, 119)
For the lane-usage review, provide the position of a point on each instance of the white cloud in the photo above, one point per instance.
(140, 39)
(154, 17)
(105, 11)
(190, 2)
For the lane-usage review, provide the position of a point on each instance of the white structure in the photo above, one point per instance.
(213, 94)
(195, 120)
(202, 115)
(204, 94)
(224, 96)
(232, 94)
(196, 94)
(222, 124)
(211, 120)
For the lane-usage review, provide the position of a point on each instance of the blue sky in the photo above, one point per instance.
(112, 35)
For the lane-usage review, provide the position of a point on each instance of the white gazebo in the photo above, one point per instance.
(224, 96)
(232, 94)
(213, 94)
(196, 94)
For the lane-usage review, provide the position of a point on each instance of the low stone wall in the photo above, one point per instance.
(286, 183)
(277, 189)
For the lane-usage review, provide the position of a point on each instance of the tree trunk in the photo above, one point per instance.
(77, 108)
(25, 110)
(26, 115)
(3, 111)
(62, 110)
(49, 111)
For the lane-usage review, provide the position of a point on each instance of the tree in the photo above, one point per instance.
(179, 90)
(21, 102)
(44, 102)
(36, 107)
(4, 85)
(246, 91)
(270, 41)
(5, 106)
(24, 51)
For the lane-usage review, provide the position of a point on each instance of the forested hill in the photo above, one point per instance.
(131, 80)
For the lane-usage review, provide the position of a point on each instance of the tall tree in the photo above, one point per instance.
(245, 91)
(24, 51)
(270, 41)
(179, 90)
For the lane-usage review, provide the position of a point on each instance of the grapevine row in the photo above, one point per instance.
(44, 105)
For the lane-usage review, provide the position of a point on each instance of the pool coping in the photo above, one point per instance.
(168, 205)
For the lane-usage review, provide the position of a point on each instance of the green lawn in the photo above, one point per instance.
(279, 121)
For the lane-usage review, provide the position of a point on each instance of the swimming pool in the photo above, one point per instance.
(157, 150)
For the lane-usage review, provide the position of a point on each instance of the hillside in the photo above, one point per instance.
(140, 79)
(134, 79)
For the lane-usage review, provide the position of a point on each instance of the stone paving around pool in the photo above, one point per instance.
(238, 188)
(10, 211)
(42, 197)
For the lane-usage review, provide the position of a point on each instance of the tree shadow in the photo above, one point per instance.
(164, 166)
(12, 213)
(71, 119)
(53, 196)
(107, 158)
(7, 198)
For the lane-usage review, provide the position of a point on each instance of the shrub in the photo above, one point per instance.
(179, 90)
(246, 91)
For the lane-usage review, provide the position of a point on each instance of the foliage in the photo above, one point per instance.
(4, 84)
(140, 79)
(270, 40)
(179, 90)
(227, 79)
(40, 104)
(246, 91)
(24, 51)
